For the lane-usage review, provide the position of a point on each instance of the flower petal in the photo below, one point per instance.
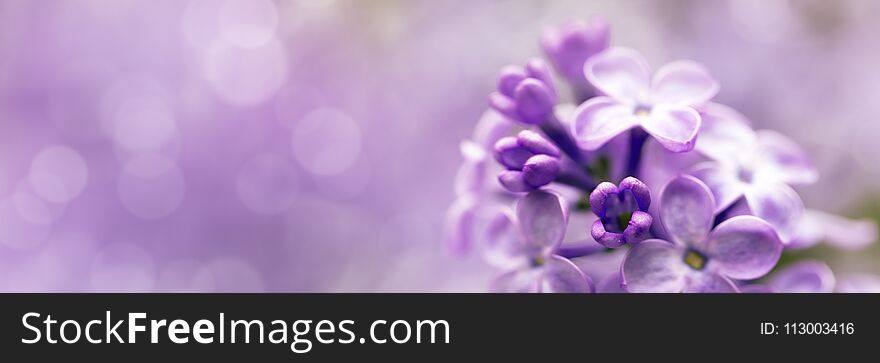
(782, 160)
(536, 144)
(509, 153)
(722, 181)
(845, 233)
(534, 101)
(517, 281)
(503, 105)
(514, 181)
(542, 219)
(859, 283)
(604, 237)
(724, 134)
(599, 266)
(709, 283)
(653, 266)
(505, 247)
(509, 77)
(562, 276)
(491, 127)
(687, 210)
(683, 82)
(640, 192)
(599, 120)
(459, 225)
(639, 227)
(620, 73)
(779, 205)
(611, 284)
(675, 127)
(540, 170)
(804, 277)
(744, 247)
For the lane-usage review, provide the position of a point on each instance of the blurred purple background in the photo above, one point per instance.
(311, 145)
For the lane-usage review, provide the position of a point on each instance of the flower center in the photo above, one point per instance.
(695, 260)
(642, 110)
(746, 174)
(623, 219)
(537, 261)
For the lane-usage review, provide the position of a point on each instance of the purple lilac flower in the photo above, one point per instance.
(844, 233)
(530, 159)
(525, 94)
(477, 192)
(663, 106)
(525, 246)
(804, 277)
(699, 258)
(759, 166)
(622, 211)
(858, 283)
(570, 45)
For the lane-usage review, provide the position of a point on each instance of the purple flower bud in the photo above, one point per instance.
(622, 211)
(532, 161)
(509, 153)
(537, 144)
(514, 181)
(509, 78)
(540, 170)
(570, 45)
(525, 94)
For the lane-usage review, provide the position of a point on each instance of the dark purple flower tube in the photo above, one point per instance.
(622, 211)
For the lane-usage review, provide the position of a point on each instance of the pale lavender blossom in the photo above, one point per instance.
(858, 283)
(699, 258)
(477, 192)
(808, 276)
(664, 106)
(525, 245)
(622, 211)
(570, 45)
(758, 166)
(840, 232)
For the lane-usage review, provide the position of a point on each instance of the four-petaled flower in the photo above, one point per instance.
(525, 246)
(525, 94)
(663, 106)
(622, 211)
(699, 258)
(759, 166)
(530, 159)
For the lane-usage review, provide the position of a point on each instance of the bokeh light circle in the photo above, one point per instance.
(245, 76)
(122, 267)
(58, 174)
(326, 141)
(19, 231)
(151, 186)
(247, 23)
(144, 124)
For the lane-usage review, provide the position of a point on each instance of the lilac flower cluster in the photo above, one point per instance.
(642, 184)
